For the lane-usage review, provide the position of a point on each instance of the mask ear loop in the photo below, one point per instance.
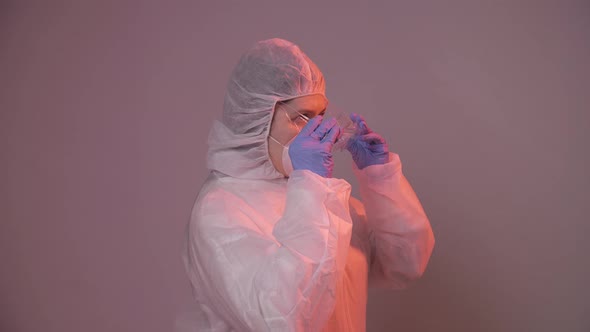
(279, 143)
(279, 104)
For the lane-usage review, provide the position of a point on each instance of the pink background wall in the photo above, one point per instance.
(105, 109)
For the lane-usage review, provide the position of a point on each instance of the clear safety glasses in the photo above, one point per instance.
(299, 121)
(348, 128)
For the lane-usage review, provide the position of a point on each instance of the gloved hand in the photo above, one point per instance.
(312, 147)
(366, 147)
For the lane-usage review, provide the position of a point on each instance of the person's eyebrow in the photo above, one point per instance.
(311, 111)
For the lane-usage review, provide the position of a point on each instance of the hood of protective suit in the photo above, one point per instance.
(272, 70)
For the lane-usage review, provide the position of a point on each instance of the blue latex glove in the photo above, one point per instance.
(366, 147)
(312, 147)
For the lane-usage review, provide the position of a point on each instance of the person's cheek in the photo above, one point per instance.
(287, 132)
(293, 130)
(294, 133)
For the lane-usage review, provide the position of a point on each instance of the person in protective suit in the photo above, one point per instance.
(275, 243)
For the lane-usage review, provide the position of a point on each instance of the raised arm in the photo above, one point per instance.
(400, 232)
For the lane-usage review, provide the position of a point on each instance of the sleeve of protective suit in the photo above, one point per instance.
(399, 230)
(284, 281)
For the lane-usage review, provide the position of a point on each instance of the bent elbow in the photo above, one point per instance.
(401, 262)
(415, 257)
(421, 252)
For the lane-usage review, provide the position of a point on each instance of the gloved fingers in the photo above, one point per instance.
(332, 135)
(361, 124)
(373, 139)
(354, 117)
(311, 126)
(324, 128)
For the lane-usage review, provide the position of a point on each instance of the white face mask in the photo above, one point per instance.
(285, 159)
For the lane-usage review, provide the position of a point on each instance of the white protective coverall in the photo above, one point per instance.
(269, 253)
